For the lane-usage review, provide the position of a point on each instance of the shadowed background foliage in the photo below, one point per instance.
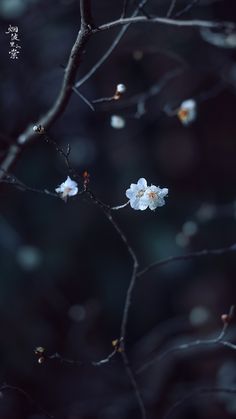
(64, 270)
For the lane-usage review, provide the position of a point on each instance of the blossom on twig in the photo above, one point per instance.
(67, 188)
(120, 88)
(141, 196)
(187, 112)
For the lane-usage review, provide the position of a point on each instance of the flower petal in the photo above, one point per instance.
(134, 203)
(142, 183)
(129, 193)
(163, 192)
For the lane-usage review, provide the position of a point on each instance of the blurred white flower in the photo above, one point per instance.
(67, 188)
(187, 111)
(117, 122)
(142, 196)
(120, 88)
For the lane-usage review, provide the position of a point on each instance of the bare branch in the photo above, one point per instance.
(129, 294)
(171, 8)
(65, 92)
(86, 13)
(199, 392)
(7, 387)
(219, 340)
(110, 49)
(187, 8)
(166, 21)
(189, 256)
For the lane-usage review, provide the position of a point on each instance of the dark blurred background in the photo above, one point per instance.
(64, 270)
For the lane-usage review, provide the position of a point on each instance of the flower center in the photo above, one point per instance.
(140, 193)
(183, 114)
(152, 195)
(66, 191)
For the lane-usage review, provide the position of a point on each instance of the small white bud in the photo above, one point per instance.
(117, 122)
(121, 88)
(39, 129)
(187, 111)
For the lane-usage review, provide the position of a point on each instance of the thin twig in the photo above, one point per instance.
(65, 92)
(8, 387)
(129, 294)
(140, 99)
(219, 340)
(85, 100)
(188, 256)
(124, 8)
(199, 392)
(171, 8)
(166, 21)
(109, 51)
(187, 8)
(13, 180)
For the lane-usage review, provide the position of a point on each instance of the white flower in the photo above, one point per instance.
(120, 88)
(154, 196)
(142, 196)
(117, 122)
(135, 194)
(187, 111)
(67, 188)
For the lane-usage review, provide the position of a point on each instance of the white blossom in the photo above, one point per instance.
(67, 188)
(120, 88)
(187, 111)
(142, 196)
(154, 196)
(117, 122)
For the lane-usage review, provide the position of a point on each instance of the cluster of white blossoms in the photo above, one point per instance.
(67, 188)
(141, 196)
(187, 112)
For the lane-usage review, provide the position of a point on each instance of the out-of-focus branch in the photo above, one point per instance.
(65, 92)
(187, 8)
(171, 8)
(188, 256)
(7, 387)
(219, 340)
(199, 392)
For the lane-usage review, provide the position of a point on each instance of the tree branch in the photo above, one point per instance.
(166, 21)
(86, 13)
(189, 256)
(65, 92)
